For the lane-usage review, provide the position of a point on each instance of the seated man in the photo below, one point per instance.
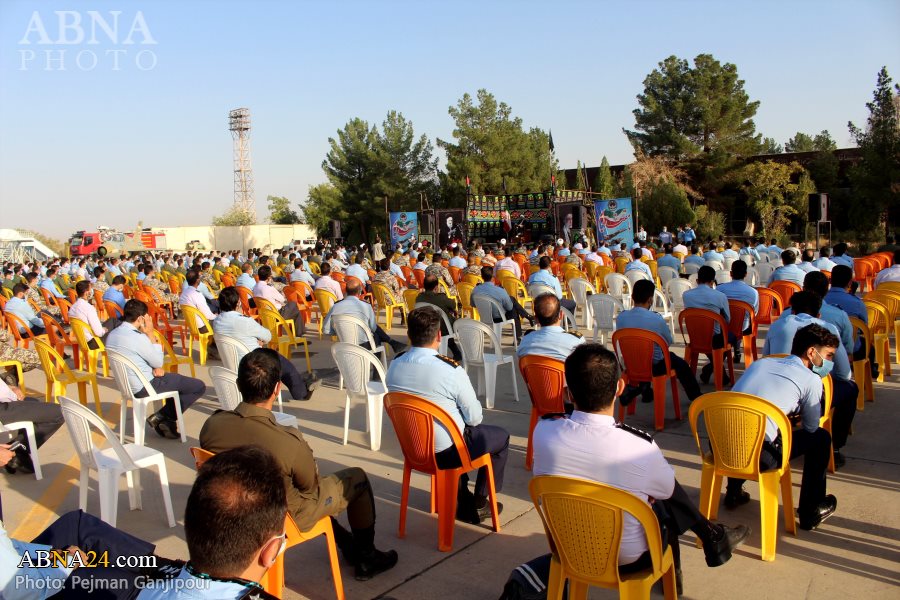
(805, 310)
(134, 339)
(824, 263)
(890, 274)
(794, 384)
(637, 264)
(441, 380)
(309, 496)
(544, 276)
(591, 445)
(85, 311)
(669, 259)
(326, 282)
(738, 289)
(788, 271)
(48, 284)
(550, 340)
(432, 295)
(386, 277)
(191, 296)
(806, 261)
(352, 305)
(114, 293)
(18, 306)
(301, 274)
(440, 271)
(705, 297)
(841, 294)
(233, 323)
(16, 407)
(506, 263)
(246, 278)
(286, 308)
(695, 258)
(357, 270)
(511, 307)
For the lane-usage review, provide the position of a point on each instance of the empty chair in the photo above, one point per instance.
(111, 463)
(471, 336)
(581, 291)
(545, 379)
(666, 274)
(675, 290)
(355, 364)
(487, 307)
(225, 383)
(604, 308)
(619, 287)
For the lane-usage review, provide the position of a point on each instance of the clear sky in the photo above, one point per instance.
(91, 145)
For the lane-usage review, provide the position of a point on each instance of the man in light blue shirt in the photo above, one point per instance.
(301, 274)
(48, 284)
(669, 259)
(550, 340)
(642, 317)
(749, 250)
(737, 289)
(457, 261)
(246, 279)
(729, 252)
(544, 276)
(694, 258)
(824, 262)
(789, 271)
(839, 295)
(511, 307)
(794, 385)
(705, 297)
(773, 247)
(689, 235)
(18, 306)
(352, 305)
(114, 293)
(134, 340)
(637, 264)
(441, 380)
(806, 261)
(357, 270)
(841, 257)
(817, 283)
(713, 254)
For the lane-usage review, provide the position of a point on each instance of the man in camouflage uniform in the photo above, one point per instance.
(441, 272)
(388, 280)
(8, 351)
(32, 294)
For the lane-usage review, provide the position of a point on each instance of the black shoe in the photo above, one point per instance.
(310, 377)
(374, 562)
(484, 513)
(706, 373)
(397, 347)
(163, 427)
(628, 395)
(839, 460)
(737, 357)
(20, 463)
(734, 500)
(824, 510)
(718, 551)
(311, 386)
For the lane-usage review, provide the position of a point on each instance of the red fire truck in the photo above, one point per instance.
(108, 241)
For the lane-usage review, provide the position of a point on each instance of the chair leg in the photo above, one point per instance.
(512, 371)
(490, 383)
(375, 407)
(768, 509)
(179, 418)
(306, 351)
(718, 361)
(202, 342)
(96, 391)
(709, 493)
(333, 560)
(578, 590)
(84, 480)
(659, 402)
(447, 482)
(139, 410)
(670, 587)
(787, 502)
(167, 496)
(556, 584)
(105, 362)
(133, 494)
(495, 513)
(108, 480)
(404, 500)
(273, 580)
(82, 392)
(346, 417)
(529, 452)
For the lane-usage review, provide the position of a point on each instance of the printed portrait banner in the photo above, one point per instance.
(404, 227)
(614, 221)
(449, 227)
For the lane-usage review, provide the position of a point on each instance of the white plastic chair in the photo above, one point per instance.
(111, 463)
(355, 364)
(121, 366)
(445, 339)
(723, 276)
(568, 321)
(604, 308)
(231, 351)
(764, 272)
(692, 278)
(348, 329)
(619, 287)
(229, 396)
(536, 289)
(752, 277)
(715, 264)
(666, 274)
(472, 336)
(661, 306)
(635, 275)
(485, 305)
(675, 290)
(748, 258)
(28, 426)
(728, 262)
(691, 268)
(581, 290)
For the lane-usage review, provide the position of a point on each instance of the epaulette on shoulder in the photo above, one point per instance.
(553, 416)
(257, 594)
(635, 431)
(399, 354)
(575, 333)
(447, 360)
(529, 331)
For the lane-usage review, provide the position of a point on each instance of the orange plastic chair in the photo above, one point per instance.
(113, 310)
(174, 285)
(228, 280)
(454, 273)
(162, 323)
(159, 299)
(419, 274)
(736, 426)
(770, 306)
(583, 521)
(64, 306)
(307, 307)
(245, 296)
(414, 420)
(784, 289)
(49, 299)
(408, 275)
(273, 580)
(635, 349)
(864, 273)
(862, 370)
(20, 330)
(699, 324)
(98, 304)
(365, 296)
(738, 311)
(545, 379)
(59, 339)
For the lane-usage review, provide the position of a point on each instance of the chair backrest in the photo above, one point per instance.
(618, 286)
(231, 350)
(383, 296)
(64, 306)
(536, 289)
(877, 314)
(121, 366)
(860, 328)
(245, 296)
(444, 318)
(736, 426)
(262, 303)
(604, 309)
(660, 302)
(83, 333)
(515, 288)
(79, 421)
(225, 383)
(472, 279)
(666, 274)
(635, 275)
(691, 268)
(675, 290)
(464, 293)
(413, 418)
(715, 264)
(635, 347)
(486, 306)
(546, 380)
(785, 289)
(273, 321)
(325, 300)
(55, 332)
(699, 324)
(410, 295)
(584, 521)
(20, 330)
(54, 365)
(348, 329)
(723, 276)
(471, 337)
(355, 364)
(194, 320)
(764, 269)
(738, 311)
(580, 288)
(113, 309)
(770, 306)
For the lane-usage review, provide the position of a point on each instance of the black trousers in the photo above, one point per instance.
(292, 379)
(514, 314)
(682, 371)
(47, 418)
(189, 391)
(90, 534)
(844, 405)
(213, 305)
(480, 439)
(568, 304)
(815, 449)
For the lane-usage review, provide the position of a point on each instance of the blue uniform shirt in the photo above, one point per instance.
(551, 341)
(791, 273)
(497, 293)
(246, 281)
(423, 372)
(713, 255)
(641, 318)
(669, 260)
(707, 298)
(849, 303)
(838, 318)
(789, 385)
(740, 291)
(48, 285)
(351, 305)
(545, 277)
(23, 310)
(115, 296)
(638, 265)
(241, 327)
(694, 259)
(823, 264)
(131, 343)
(781, 337)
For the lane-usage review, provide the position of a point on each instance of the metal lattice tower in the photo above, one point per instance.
(239, 125)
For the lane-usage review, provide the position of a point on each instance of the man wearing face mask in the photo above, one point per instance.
(794, 384)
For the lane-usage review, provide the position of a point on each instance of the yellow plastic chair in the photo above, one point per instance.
(891, 300)
(470, 279)
(736, 426)
(314, 268)
(826, 421)
(170, 359)
(89, 356)
(879, 326)
(384, 300)
(465, 299)
(584, 521)
(325, 300)
(410, 295)
(191, 317)
(515, 288)
(60, 376)
(862, 370)
(600, 277)
(283, 342)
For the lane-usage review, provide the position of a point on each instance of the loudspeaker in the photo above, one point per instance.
(818, 207)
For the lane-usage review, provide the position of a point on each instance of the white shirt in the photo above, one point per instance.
(510, 265)
(191, 296)
(591, 446)
(892, 273)
(85, 311)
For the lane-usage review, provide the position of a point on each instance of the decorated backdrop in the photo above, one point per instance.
(614, 221)
(404, 227)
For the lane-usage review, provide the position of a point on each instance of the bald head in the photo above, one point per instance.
(353, 287)
(546, 309)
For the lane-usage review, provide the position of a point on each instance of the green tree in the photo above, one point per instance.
(234, 217)
(579, 177)
(280, 211)
(604, 184)
(770, 146)
(405, 166)
(876, 180)
(709, 224)
(802, 142)
(772, 194)
(323, 204)
(491, 146)
(351, 167)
